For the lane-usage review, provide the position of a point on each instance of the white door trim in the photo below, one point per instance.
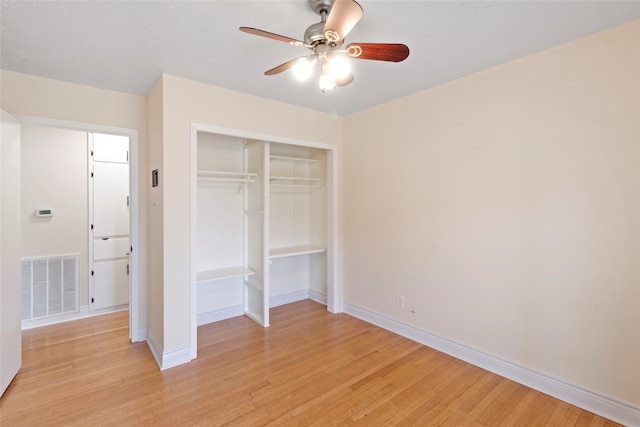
(134, 169)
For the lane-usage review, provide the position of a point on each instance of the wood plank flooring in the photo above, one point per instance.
(310, 368)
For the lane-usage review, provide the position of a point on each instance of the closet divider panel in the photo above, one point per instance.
(256, 287)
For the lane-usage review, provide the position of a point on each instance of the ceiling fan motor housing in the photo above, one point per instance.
(314, 34)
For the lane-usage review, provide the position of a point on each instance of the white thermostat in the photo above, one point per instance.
(44, 212)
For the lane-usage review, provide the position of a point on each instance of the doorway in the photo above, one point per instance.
(128, 260)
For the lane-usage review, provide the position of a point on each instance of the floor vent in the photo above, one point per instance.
(49, 286)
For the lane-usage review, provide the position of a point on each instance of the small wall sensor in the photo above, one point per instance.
(43, 212)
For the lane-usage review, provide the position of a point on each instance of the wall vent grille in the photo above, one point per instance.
(49, 286)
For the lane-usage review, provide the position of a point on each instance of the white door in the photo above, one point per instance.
(10, 324)
(110, 221)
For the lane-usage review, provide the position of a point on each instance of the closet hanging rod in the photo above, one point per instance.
(204, 173)
(291, 178)
(293, 159)
(217, 179)
(297, 185)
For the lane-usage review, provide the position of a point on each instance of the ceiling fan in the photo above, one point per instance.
(325, 40)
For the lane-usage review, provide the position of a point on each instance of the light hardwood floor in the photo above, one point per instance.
(309, 368)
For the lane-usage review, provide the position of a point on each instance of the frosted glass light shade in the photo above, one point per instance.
(327, 82)
(340, 67)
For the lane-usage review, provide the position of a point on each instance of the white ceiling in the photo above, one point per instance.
(126, 45)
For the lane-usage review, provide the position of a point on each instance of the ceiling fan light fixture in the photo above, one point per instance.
(340, 67)
(327, 80)
(325, 40)
(303, 68)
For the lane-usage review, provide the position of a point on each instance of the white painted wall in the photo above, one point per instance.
(155, 217)
(35, 96)
(505, 208)
(54, 176)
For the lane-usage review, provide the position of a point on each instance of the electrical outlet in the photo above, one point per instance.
(399, 301)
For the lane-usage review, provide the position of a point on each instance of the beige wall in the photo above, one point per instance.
(54, 176)
(22, 94)
(186, 102)
(155, 218)
(505, 207)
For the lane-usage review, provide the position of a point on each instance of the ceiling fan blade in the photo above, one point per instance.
(282, 67)
(345, 80)
(273, 36)
(392, 52)
(344, 15)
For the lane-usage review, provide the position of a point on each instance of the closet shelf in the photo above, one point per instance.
(226, 176)
(254, 285)
(293, 159)
(294, 179)
(223, 273)
(290, 251)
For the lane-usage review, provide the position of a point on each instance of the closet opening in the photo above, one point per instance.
(263, 225)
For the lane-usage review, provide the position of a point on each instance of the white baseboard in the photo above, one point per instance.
(604, 406)
(155, 348)
(166, 360)
(237, 310)
(108, 310)
(220, 314)
(83, 313)
(175, 358)
(317, 297)
(288, 298)
(55, 319)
